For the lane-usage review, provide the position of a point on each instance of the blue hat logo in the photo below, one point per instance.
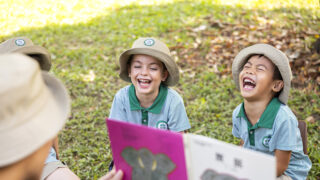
(149, 42)
(20, 42)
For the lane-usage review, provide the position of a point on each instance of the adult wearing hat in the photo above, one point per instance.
(53, 168)
(34, 107)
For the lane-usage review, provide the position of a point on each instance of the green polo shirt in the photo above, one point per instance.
(167, 112)
(266, 120)
(155, 108)
(277, 129)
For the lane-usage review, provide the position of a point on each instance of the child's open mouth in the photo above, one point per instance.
(248, 83)
(144, 82)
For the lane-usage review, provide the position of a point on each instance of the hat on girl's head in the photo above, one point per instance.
(25, 46)
(276, 56)
(154, 48)
(34, 106)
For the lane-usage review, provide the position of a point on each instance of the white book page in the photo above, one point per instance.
(209, 159)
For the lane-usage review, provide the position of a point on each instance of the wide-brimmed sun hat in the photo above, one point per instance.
(155, 48)
(277, 57)
(25, 46)
(34, 106)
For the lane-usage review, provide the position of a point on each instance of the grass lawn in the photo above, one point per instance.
(86, 38)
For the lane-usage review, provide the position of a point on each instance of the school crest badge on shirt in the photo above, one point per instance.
(265, 141)
(162, 125)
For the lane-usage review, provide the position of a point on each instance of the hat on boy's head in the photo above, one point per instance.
(276, 56)
(154, 48)
(34, 106)
(25, 45)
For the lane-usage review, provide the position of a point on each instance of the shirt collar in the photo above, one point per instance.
(268, 116)
(157, 104)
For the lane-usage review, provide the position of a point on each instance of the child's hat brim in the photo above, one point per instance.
(156, 49)
(277, 57)
(25, 46)
(44, 56)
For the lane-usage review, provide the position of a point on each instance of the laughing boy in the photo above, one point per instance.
(263, 121)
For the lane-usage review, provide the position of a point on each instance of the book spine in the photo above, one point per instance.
(187, 153)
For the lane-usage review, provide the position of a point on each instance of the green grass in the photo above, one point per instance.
(86, 38)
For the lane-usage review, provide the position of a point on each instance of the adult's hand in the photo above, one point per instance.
(113, 175)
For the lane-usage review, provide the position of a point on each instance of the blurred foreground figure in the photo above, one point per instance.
(34, 107)
(54, 168)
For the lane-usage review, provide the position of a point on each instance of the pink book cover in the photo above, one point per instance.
(143, 152)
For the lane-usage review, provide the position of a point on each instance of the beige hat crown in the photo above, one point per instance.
(278, 58)
(152, 47)
(25, 46)
(34, 106)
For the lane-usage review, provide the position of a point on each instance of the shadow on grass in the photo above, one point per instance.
(205, 54)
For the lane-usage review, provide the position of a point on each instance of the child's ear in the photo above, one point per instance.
(129, 71)
(164, 75)
(277, 85)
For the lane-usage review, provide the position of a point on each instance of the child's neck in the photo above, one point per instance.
(255, 109)
(146, 100)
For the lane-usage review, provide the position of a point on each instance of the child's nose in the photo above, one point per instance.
(249, 71)
(144, 70)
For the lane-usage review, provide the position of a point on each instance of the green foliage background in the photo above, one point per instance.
(86, 38)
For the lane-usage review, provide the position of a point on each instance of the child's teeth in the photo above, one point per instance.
(144, 81)
(248, 80)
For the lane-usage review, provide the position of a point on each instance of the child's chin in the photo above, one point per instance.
(141, 90)
(246, 91)
(247, 94)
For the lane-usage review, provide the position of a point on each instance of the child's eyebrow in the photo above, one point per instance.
(154, 64)
(248, 62)
(136, 61)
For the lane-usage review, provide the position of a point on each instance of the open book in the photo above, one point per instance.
(145, 153)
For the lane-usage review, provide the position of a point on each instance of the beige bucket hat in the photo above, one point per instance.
(155, 48)
(276, 56)
(25, 45)
(34, 106)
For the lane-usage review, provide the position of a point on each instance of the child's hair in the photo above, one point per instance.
(276, 72)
